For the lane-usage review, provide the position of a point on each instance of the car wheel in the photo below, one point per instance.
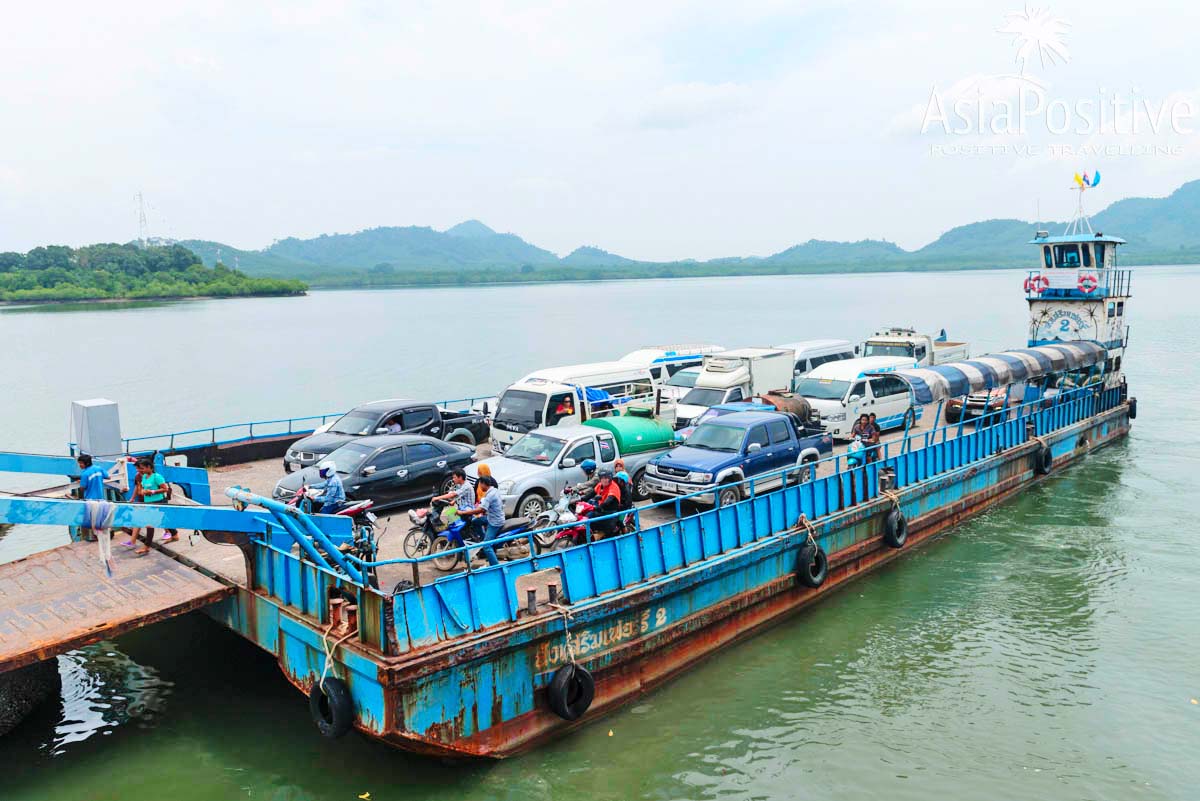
(447, 485)
(729, 495)
(641, 490)
(532, 505)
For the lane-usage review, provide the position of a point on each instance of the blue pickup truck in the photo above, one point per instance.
(724, 451)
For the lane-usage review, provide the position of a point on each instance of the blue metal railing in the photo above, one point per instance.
(233, 433)
(603, 565)
(1077, 283)
(898, 455)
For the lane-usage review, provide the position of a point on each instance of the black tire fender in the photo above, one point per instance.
(331, 707)
(814, 565)
(571, 691)
(895, 528)
(1133, 408)
(1043, 460)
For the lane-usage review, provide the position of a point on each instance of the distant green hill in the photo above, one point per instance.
(1159, 230)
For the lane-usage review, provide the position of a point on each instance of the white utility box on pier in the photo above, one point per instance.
(96, 427)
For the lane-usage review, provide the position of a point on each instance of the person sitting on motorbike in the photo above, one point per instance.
(622, 477)
(485, 520)
(862, 428)
(608, 501)
(463, 495)
(587, 487)
(872, 438)
(332, 495)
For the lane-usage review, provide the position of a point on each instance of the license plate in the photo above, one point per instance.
(670, 486)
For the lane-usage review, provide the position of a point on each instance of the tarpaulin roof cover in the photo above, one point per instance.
(955, 379)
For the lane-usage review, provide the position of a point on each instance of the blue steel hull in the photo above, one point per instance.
(481, 693)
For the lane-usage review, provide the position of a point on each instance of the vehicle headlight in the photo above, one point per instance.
(836, 418)
(506, 487)
(291, 454)
(652, 469)
(700, 478)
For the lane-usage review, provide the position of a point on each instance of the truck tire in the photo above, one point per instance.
(532, 504)
(461, 438)
(728, 494)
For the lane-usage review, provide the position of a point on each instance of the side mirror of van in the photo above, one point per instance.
(565, 463)
(856, 350)
(854, 399)
(754, 447)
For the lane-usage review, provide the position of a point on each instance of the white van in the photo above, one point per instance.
(568, 394)
(812, 353)
(663, 361)
(841, 391)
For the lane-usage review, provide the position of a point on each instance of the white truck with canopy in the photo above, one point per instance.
(906, 343)
(736, 375)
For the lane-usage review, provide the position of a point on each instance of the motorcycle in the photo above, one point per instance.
(856, 453)
(438, 539)
(570, 509)
(365, 543)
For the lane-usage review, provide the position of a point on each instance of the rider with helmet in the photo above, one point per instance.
(608, 501)
(587, 487)
(333, 495)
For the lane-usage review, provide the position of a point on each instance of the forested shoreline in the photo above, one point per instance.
(117, 272)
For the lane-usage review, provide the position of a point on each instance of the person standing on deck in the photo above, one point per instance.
(873, 434)
(91, 484)
(152, 488)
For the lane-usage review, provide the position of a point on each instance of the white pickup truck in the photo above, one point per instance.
(906, 343)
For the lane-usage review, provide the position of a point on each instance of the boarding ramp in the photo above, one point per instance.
(63, 598)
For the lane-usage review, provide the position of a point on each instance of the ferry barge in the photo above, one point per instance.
(490, 661)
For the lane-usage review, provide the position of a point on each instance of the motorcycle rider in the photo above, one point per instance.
(332, 495)
(608, 501)
(587, 487)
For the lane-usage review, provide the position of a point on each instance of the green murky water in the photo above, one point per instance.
(1048, 649)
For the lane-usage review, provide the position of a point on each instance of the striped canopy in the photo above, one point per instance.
(956, 379)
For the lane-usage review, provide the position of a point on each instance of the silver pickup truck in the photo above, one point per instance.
(533, 472)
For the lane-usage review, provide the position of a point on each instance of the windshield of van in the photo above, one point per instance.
(716, 437)
(684, 378)
(702, 396)
(347, 458)
(521, 406)
(355, 424)
(879, 349)
(536, 448)
(822, 388)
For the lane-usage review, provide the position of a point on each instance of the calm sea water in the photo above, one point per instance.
(1048, 649)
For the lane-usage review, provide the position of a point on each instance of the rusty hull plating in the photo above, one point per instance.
(482, 693)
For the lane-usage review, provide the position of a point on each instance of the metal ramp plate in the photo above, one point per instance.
(57, 600)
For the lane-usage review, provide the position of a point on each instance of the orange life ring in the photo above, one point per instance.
(1037, 283)
(1088, 282)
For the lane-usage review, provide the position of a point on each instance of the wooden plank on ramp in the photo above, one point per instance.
(57, 600)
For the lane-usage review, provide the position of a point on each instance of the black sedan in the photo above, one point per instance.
(389, 469)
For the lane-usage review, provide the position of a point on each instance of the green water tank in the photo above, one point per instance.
(636, 434)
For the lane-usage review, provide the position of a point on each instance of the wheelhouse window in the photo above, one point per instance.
(1087, 256)
(1066, 255)
(1047, 256)
(1099, 246)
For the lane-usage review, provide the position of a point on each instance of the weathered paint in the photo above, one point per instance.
(464, 675)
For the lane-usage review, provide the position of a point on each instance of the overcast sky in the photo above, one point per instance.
(654, 130)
